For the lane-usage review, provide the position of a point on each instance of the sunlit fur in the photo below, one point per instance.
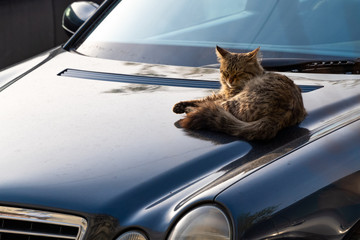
(237, 69)
(252, 104)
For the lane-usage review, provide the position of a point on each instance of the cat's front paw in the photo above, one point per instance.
(189, 109)
(179, 107)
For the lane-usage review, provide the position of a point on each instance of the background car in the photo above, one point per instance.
(92, 150)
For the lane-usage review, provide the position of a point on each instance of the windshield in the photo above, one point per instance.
(185, 32)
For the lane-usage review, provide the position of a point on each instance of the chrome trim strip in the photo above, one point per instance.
(137, 79)
(334, 124)
(153, 80)
(36, 234)
(31, 215)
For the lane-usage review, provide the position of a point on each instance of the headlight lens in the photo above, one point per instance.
(132, 235)
(206, 222)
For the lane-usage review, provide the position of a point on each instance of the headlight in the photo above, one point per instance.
(132, 235)
(206, 222)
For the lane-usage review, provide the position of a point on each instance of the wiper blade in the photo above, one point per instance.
(349, 66)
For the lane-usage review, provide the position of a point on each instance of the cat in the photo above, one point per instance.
(251, 104)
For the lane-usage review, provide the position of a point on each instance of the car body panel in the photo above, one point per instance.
(296, 197)
(113, 152)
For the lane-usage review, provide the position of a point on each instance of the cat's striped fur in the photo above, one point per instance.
(252, 104)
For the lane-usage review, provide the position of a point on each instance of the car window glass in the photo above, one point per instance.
(318, 28)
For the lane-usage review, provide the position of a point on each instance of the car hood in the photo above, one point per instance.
(97, 144)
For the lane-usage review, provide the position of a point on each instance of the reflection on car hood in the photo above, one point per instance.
(92, 146)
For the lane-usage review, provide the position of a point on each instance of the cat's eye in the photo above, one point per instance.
(237, 76)
(242, 75)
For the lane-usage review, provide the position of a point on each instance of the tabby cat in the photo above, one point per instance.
(251, 104)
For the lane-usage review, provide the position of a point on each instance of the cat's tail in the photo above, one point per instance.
(215, 118)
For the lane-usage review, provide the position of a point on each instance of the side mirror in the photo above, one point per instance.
(76, 14)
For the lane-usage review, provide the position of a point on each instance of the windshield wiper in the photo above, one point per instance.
(305, 65)
(348, 66)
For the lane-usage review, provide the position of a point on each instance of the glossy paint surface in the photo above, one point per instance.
(310, 193)
(113, 152)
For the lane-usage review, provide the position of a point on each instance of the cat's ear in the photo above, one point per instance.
(221, 53)
(253, 53)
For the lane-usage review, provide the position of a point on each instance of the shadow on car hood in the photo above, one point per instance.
(92, 146)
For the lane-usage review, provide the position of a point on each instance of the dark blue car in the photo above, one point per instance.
(90, 147)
